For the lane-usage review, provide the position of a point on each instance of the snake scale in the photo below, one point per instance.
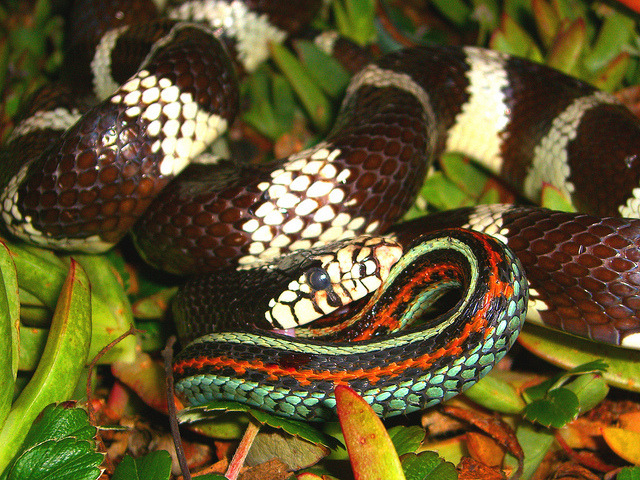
(80, 173)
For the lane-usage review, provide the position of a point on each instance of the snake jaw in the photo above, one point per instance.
(355, 270)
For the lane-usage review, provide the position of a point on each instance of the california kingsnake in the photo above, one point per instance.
(89, 187)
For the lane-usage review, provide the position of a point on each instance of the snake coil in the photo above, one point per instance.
(80, 173)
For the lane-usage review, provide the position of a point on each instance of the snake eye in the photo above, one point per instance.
(318, 278)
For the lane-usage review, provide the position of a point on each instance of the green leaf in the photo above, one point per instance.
(466, 175)
(60, 444)
(567, 47)
(315, 103)
(590, 389)
(613, 37)
(292, 427)
(9, 330)
(556, 409)
(455, 10)
(610, 77)
(546, 20)
(152, 466)
(553, 198)
(496, 394)
(538, 392)
(42, 274)
(535, 444)
(406, 439)
(629, 473)
(62, 362)
(568, 351)
(355, 19)
(514, 40)
(67, 459)
(325, 70)
(427, 466)
(292, 450)
(261, 114)
(111, 310)
(371, 451)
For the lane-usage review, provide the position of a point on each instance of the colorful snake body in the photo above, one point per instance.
(113, 167)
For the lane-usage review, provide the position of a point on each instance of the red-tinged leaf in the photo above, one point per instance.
(296, 452)
(308, 476)
(568, 46)
(546, 19)
(471, 469)
(371, 451)
(630, 97)
(145, 377)
(632, 4)
(500, 431)
(484, 449)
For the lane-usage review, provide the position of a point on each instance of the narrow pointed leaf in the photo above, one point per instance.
(9, 328)
(62, 362)
(314, 101)
(371, 451)
(568, 47)
(546, 20)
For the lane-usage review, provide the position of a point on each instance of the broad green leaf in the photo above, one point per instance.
(261, 114)
(590, 389)
(427, 466)
(292, 450)
(152, 466)
(406, 439)
(59, 421)
(468, 177)
(569, 9)
(111, 310)
(60, 444)
(224, 426)
(538, 391)
(154, 307)
(42, 274)
(371, 451)
(629, 473)
(354, 19)
(514, 40)
(62, 362)
(556, 409)
(66, 459)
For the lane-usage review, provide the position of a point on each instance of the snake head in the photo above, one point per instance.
(330, 277)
